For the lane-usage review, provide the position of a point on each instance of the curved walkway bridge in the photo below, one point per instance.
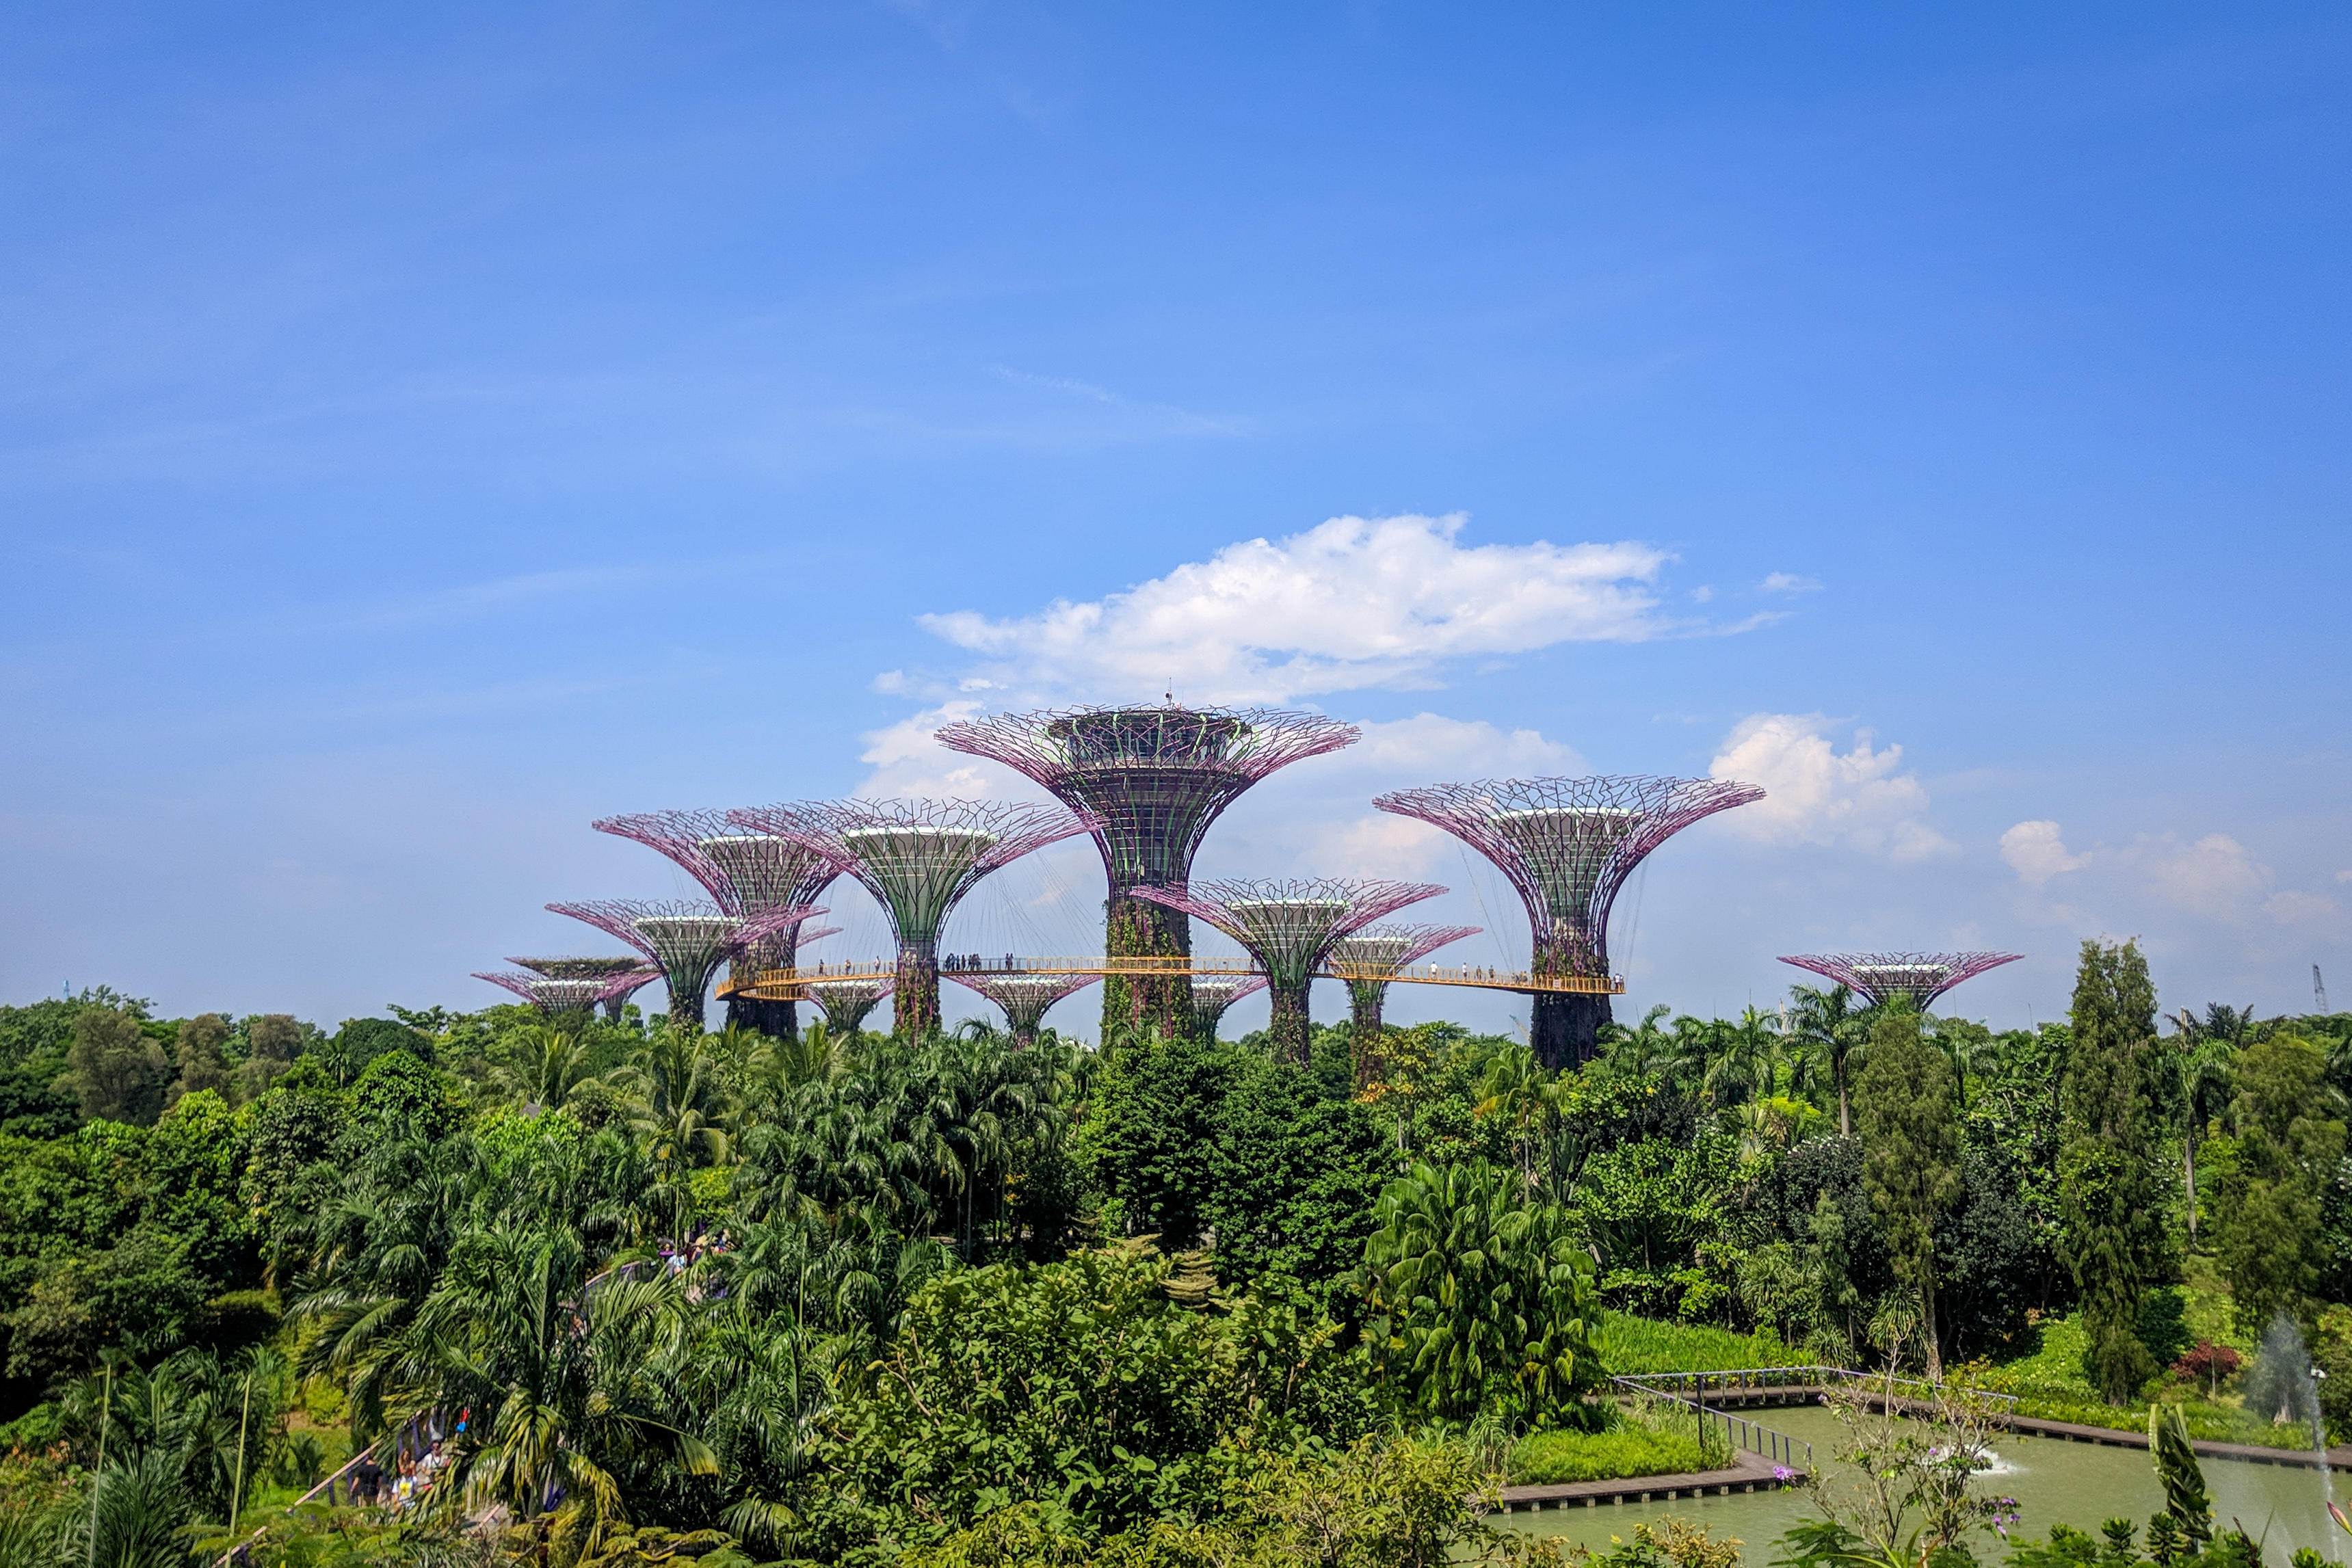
(791, 985)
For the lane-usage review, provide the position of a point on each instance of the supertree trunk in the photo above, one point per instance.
(1133, 928)
(915, 1003)
(1290, 1031)
(1369, 996)
(686, 1007)
(1566, 1028)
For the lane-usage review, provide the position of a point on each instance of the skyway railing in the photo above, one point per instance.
(791, 985)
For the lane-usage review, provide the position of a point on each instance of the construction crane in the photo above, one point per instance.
(2318, 991)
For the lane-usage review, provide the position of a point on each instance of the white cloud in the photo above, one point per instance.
(906, 762)
(2035, 851)
(1815, 795)
(2344, 876)
(2304, 911)
(1787, 582)
(1353, 603)
(2215, 875)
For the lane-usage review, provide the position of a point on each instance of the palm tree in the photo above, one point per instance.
(1516, 1088)
(547, 1064)
(1828, 1024)
(2203, 1062)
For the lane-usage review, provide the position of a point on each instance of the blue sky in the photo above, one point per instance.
(424, 430)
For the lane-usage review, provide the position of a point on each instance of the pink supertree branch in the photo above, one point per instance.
(1883, 977)
(1378, 950)
(687, 940)
(1025, 998)
(1289, 927)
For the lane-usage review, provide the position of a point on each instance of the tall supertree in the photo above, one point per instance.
(612, 969)
(1290, 928)
(1213, 994)
(550, 996)
(1025, 998)
(1568, 845)
(846, 1003)
(748, 875)
(917, 858)
(687, 940)
(1154, 779)
(1369, 961)
(1881, 977)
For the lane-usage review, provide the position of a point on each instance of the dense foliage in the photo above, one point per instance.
(839, 1299)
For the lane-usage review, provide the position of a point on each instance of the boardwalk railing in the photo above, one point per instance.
(787, 985)
(1767, 1379)
(1790, 1453)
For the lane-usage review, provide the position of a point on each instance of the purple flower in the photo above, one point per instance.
(1781, 1472)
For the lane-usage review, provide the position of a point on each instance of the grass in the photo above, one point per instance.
(1630, 1344)
(1632, 1446)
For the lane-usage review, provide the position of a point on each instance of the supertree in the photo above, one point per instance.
(1025, 998)
(1290, 927)
(846, 1003)
(1213, 994)
(917, 858)
(550, 996)
(687, 940)
(745, 873)
(597, 968)
(1368, 961)
(1883, 977)
(1568, 845)
(1153, 780)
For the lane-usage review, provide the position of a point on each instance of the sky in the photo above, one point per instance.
(427, 429)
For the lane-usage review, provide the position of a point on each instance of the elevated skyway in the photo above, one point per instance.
(791, 985)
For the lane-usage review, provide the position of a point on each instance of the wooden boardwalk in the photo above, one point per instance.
(1748, 1472)
(2339, 1456)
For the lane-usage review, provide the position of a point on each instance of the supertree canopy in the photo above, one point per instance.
(1213, 994)
(1568, 845)
(1025, 998)
(1920, 977)
(631, 967)
(1152, 779)
(549, 994)
(1290, 928)
(846, 1003)
(747, 874)
(917, 858)
(1368, 961)
(688, 940)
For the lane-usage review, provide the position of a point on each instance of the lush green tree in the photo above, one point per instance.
(1828, 1024)
(1655, 1211)
(115, 1069)
(198, 1054)
(1151, 1130)
(1909, 1115)
(2272, 1244)
(1296, 1173)
(271, 1042)
(2113, 1216)
(1481, 1300)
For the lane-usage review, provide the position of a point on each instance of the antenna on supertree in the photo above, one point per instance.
(1154, 779)
(846, 1003)
(1290, 928)
(917, 858)
(1881, 978)
(597, 968)
(746, 875)
(1369, 961)
(687, 939)
(554, 994)
(1025, 998)
(1213, 994)
(1568, 845)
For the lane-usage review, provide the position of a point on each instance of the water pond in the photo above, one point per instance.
(2053, 1480)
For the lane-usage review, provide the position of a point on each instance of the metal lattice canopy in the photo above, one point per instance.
(1883, 977)
(1025, 998)
(546, 994)
(1568, 844)
(917, 858)
(688, 940)
(1154, 779)
(581, 968)
(745, 873)
(1290, 927)
(1213, 994)
(846, 1003)
(1378, 951)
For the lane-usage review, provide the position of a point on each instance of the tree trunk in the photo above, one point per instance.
(1928, 1318)
(1846, 1122)
(1290, 1030)
(1367, 998)
(2188, 1178)
(915, 1003)
(685, 1007)
(1137, 928)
